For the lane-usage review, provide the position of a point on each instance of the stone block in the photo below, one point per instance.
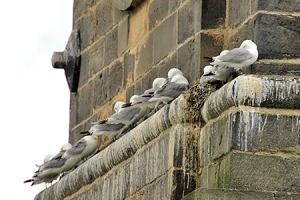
(278, 5)
(158, 10)
(144, 56)
(264, 172)
(87, 30)
(85, 102)
(238, 12)
(122, 35)
(227, 194)
(273, 68)
(101, 88)
(213, 14)
(174, 5)
(165, 38)
(111, 46)
(189, 20)
(248, 31)
(129, 92)
(129, 65)
(172, 185)
(104, 18)
(269, 38)
(261, 131)
(189, 59)
(80, 8)
(249, 130)
(115, 79)
(97, 56)
(162, 68)
(138, 87)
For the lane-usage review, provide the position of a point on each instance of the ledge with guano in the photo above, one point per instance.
(161, 156)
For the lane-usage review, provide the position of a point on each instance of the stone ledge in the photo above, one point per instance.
(256, 91)
(119, 151)
(227, 194)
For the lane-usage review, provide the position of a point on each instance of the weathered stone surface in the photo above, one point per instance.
(111, 46)
(227, 194)
(122, 35)
(213, 14)
(238, 12)
(101, 88)
(249, 129)
(144, 56)
(271, 28)
(165, 38)
(278, 5)
(85, 102)
(118, 15)
(104, 18)
(283, 69)
(189, 20)
(86, 27)
(96, 59)
(158, 10)
(211, 45)
(173, 5)
(248, 31)
(115, 79)
(129, 66)
(80, 8)
(189, 59)
(264, 173)
(257, 91)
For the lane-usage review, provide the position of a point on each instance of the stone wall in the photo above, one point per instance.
(242, 143)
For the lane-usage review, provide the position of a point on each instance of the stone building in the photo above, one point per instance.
(239, 142)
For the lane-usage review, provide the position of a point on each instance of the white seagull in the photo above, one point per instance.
(170, 90)
(245, 55)
(217, 73)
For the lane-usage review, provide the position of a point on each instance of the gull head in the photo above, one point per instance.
(66, 146)
(174, 71)
(48, 157)
(118, 106)
(179, 79)
(158, 82)
(133, 97)
(248, 44)
(207, 69)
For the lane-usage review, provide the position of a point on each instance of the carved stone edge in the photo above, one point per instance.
(256, 91)
(117, 152)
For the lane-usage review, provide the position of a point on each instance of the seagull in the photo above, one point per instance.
(245, 55)
(70, 158)
(217, 73)
(170, 90)
(142, 100)
(83, 147)
(43, 179)
(118, 106)
(46, 159)
(171, 73)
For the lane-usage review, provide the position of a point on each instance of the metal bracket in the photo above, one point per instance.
(69, 60)
(126, 4)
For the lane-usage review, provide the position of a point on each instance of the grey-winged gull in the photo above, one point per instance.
(245, 55)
